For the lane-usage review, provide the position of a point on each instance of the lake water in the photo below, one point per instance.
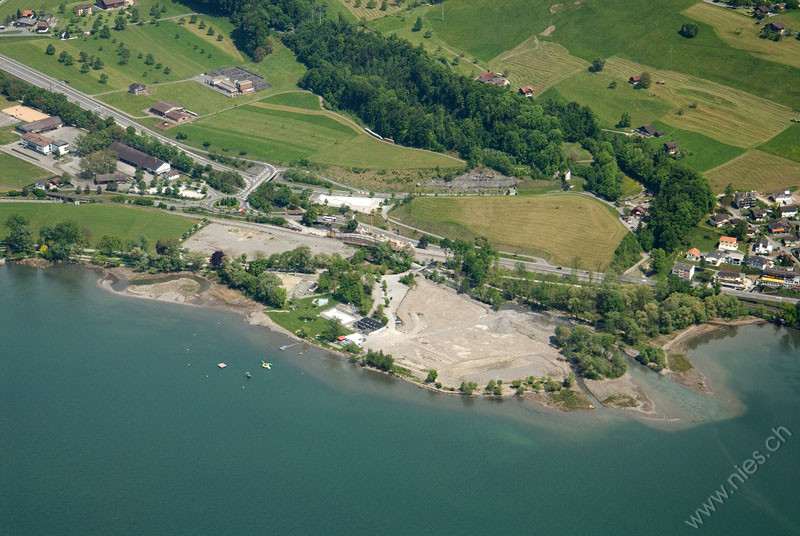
(114, 419)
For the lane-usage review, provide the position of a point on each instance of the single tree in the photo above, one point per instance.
(644, 80)
(624, 120)
(598, 64)
(689, 30)
(417, 25)
(216, 258)
(50, 50)
(432, 375)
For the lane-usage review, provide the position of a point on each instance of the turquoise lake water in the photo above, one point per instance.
(114, 419)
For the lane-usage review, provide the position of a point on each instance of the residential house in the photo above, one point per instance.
(762, 11)
(42, 125)
(731, 277)
(789, 211)
(648, 131)
(83, 9)
(693, 254)
(28, 13)
(671, 147)
(780, 277)
(759, 262)
(791, 241)
(137, 89)
(163, 108)
(762, 247)
(718, 220)
(109, 178)
(639, 211)
(37, 142)
(758, 214)
(728, 243)
(775, 27)
(684, 271)
(495, 79)
(172, 174)
(526, 91)
(782, 197)
(110, 4)
(715, 257)
(60, 147)
(744, 200)
(780, 226)
(139, 159)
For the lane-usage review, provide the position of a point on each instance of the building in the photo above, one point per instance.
(110, 4)
(172, 174)
(780, 277)
(714, 258)
(744, 199)
(245, 87)
(789, 211)
(177, 116)
(26, 22)
(775, 27)
(139, 159)
(37, 142)
(60, 147)
(137, 89)
(762, 10)
(494, 79)
(28, 13)
(762, 247)
(163, 108)
(780, 226)
(758, 214)
(693, 254)
(782, 197)
(734, 257)
(759, 262)
(367, 325)
(671, 147)
(728, 243)
(684, 271)
(731, 277)
(42, 125)
(718, 220)
(42, 27)
(791, 241)
(526, 91)
(639, 211)
(109, 178)
(83, 9)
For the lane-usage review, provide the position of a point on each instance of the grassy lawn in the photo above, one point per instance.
(290, 134)
(630, 187)
(8, 135)
(363, 12)
(194, 96)
(679, 363)
(741, 32)
(186, 56)
(706, 153)
(756, 170)
(703, 237)
(17, 172)
(305, 316)
(557, 227)
(541, 64)
(127, 223)
(295, 99)
(785, 144)
(575, 152)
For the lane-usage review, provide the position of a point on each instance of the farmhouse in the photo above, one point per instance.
(111, 4)
(782, 196)
(139, 159)
(648, 131)
(495, 79)
(780, 226)
(745, 199)
(762, 246)
(789, 211)
(83, 9)
(60, 147)
(42, 27)
(37, 142)
(109, 178)
(731, 277)
(728, 243)
(40, 126)
(684, 271)
(758, 214)
(526, 91)
(759, 262)
(761, 11)
(26, 22)
(718, 220)
(137, 89)
(671, 147)
(693, 254)
(163, 108)
(776, 27)
(639, 211)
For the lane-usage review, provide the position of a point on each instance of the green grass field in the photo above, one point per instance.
(186, 56)
(17, 172)
(706, 153)
(290, 134)
(295, 99)
(10, 7)
(557, 227)
(194, 96)
(756, 170)
(8, 135)
(305, 317)
(127, 223)
(786, 144)
(363, 12)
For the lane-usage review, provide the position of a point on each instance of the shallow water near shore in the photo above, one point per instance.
(116, 420)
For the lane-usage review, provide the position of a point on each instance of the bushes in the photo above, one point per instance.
(593, 354)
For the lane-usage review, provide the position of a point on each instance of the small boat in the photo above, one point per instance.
(248, 374)
(221, 365)
(266, 365)
(284, 347)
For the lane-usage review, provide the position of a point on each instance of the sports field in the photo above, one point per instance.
(17, 172)
(287, 134)
(557, 227)
(127, 223)
(756, 170)
(704, 153)
(739, 31)
(785, 144)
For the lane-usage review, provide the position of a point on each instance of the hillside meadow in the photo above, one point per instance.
(756, 170)
(786, 144)
(559, 227)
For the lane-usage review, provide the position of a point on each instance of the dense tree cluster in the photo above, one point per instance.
(265, 287)
(271, 194)
(593, 354)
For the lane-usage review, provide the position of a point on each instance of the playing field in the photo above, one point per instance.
(17, 172)
(756, 170)
(785, 144)
(557, 227)
(704, 153)
(287, 134)
(127, 223)
(738, 30)
(172, 46)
